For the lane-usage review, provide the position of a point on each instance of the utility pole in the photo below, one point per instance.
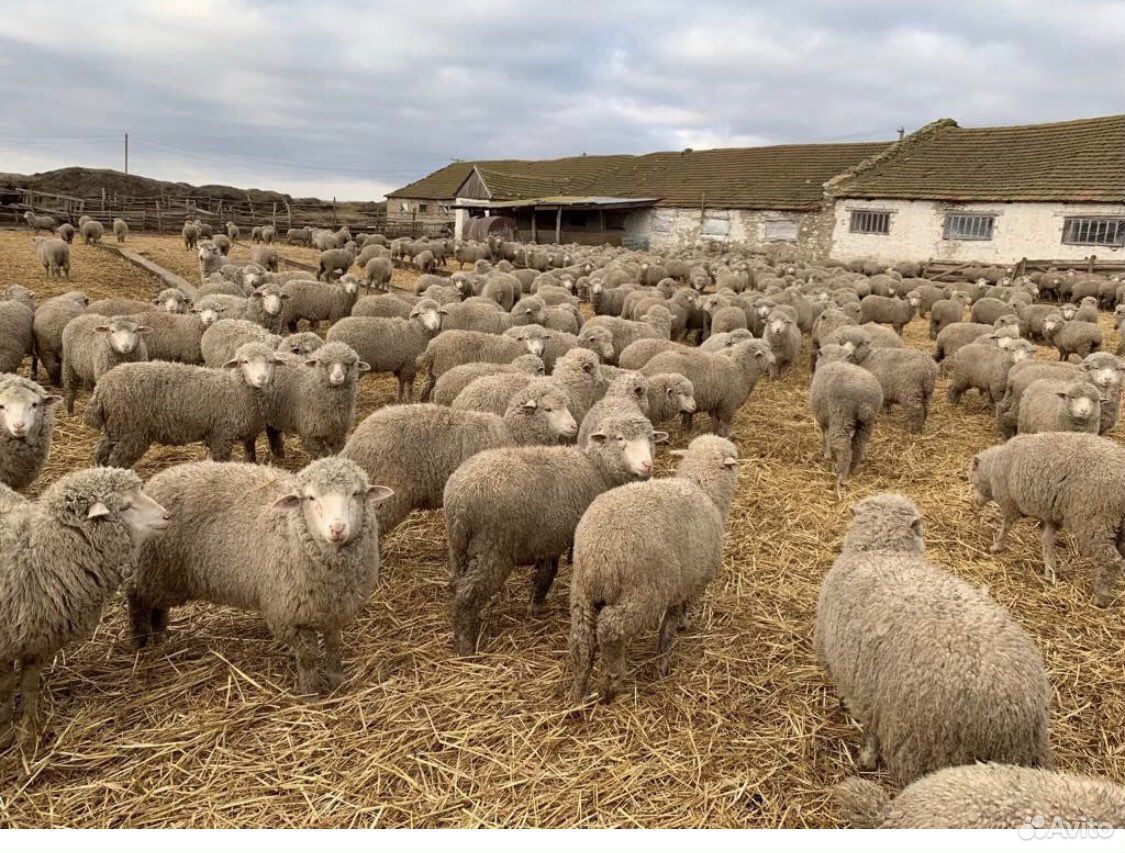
(901, 132)
(126, 153)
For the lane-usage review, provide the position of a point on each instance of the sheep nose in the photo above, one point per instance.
(19, 426)
(646, 467)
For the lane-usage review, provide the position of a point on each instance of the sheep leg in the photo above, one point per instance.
(616, 624)
(124, 453)
(333, 658)
(221, 448)
(472, 590)
(842, 450)
(1008, 514)
(1049, 554)
(868, 758)
(718, 425)
(1099, 546)
(685, 421)
(860, 438)
(583, 645)
(250, 447)
(544, 576)
(277, 443)
(103, 450)
(68, 381)
(29, 698)
(427, 388)
(918, 421)
(307, 654)
(140, 617)
(825, 448)
(668, 625)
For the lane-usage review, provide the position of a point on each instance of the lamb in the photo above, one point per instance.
(211, 260)
(314, 301)
(906, 376)
(519, 505)
(300, 344)
(945, 312)
(580, 374)
(65, 554)
(50, 319)
(476, 316)
(118, 306)
(722, 381)
(1063, 479)
(454, 381)
(268, 233)
(315, 400)
(66, 232)
(724, 340)
(1026, 372)
(451, 348)
(54, 256)
(1086, 311)
(27, 422)
(639, 353)
(92, 232)
(190, 235)
(626, 394)
(333, 261)
(957, 335)
(173, 300)
(17, 335)
(39, 223)
(887, 310)
(159, 402)
(985, 367)
(1050, 405)
(377, 273)
(221, 340)
(1072, 337)
(415, 448)
(784, 340)
(233, 231)
(92, 345)
(644, 553)
(391, 345)
(986, 796)
(845, 401)
(626, 331)
(266, 257)
(172, 337)
(987, 310)
(120, 230)
(979, 694)
(301, 549)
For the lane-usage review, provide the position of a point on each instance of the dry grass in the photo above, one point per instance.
(744, 732)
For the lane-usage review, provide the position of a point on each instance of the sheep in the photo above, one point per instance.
(50, 320)
(1072, 337)
(947, 311)
(118, 306)
(211, 259)
(784, 340)
(39, 223)
(377, 273)
(454, 381)
(300, 344)
(721, 341)
(644, 553)
(315, 301)
(887, 310)
(333, 261)
(222, 243)
(384, 305)
(17, 335)
(299, 236)
(268, 233)
(173, 300)
(1107, 373)
(669, 395)
(825, 326)
(1051, 405)
(1086, 311)
(1031, 321)
(415, 448)
(906, 376)
(93, 345)
(722, 381)
(986, 796)
(957, 335)
(65, 554)
(1070, 480)
(159, 402)
(266, 257)
(449, 349)
(301, 549)
(172, 337)
(54, 256)
(979, 694)
(845, 400)
(493, 392)
(66, 232)
(233, 231)
(1026, 372)
(315, 400)
(986, 310)
(639, 353)
(624, 395)
(985, 367)
(391, 345)
(205, 229)
(626, 331)
(519, 505)
(120, 230)
(190, 235)
(27, 421)
(474, 315)
(92, 233)
(221, 340)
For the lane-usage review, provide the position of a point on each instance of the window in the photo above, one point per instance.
(423, 208)
(968, 226)
(871, 222)
(780, 230)
(404, 206)
(1088, 231)
(574, 219)
(615, 220)
(715, 228)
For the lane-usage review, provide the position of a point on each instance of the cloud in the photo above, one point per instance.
(337, 98)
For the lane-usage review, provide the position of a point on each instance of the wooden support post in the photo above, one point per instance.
(273, 217)
(534, 234)
(558, 226)
(334, 212)
(1093, 261)
(159, 222)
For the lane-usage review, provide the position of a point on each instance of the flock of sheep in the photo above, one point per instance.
(536, 433)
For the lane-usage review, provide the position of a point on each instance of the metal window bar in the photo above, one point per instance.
(1094, 232)
(968, 226)
(870, 222)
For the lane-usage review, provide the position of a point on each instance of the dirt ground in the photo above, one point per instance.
(743, 732)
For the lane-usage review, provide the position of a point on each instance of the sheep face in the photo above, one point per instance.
(1052, 324)
(337, 364)
(428, 316)
(552, 407)
(1068, 312)
(144, 516)
(124, 334)
(1082, 402)
(1105, 376)
(333, 500)
(271, 298)
(533, 341)
(256, 364)
(22, 408)
(626, 445)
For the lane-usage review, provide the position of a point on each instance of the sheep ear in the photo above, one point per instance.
(233, 363)
(1061, 395)
(378, 494)
(597, 438)
(51, 399)
(97, 510)
(730, 462)
(144, 330)
(289, 501)
(256, 295)
(363, 367)
(679, 454)
(530, 406)
(441, 311)
(659, 437)
(310, 362)
(286, 296)
(102, 328)
(918, 527)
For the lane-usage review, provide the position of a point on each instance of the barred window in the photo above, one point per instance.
(871, 222)
(1090, 231)
(968, 226)
(781, 229)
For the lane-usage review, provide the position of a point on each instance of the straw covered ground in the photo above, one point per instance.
(744, 731)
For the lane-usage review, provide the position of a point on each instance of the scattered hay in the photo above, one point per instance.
(744, 732)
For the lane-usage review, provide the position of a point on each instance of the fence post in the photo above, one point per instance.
(274, 216)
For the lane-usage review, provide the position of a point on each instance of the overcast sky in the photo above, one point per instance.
(354, 99)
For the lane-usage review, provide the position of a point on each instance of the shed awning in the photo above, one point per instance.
(559, 202)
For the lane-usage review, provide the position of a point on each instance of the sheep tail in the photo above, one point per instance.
(583, 643)
(94, 415)
(863, 803)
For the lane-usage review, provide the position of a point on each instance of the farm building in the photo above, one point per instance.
(988, 194)
(664, 200)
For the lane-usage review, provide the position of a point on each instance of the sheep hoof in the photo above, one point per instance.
(995, 548)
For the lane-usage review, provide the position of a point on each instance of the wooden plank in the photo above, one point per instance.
(169, 278)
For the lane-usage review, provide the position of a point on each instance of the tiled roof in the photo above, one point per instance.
(1065, 161)
(785, 177)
